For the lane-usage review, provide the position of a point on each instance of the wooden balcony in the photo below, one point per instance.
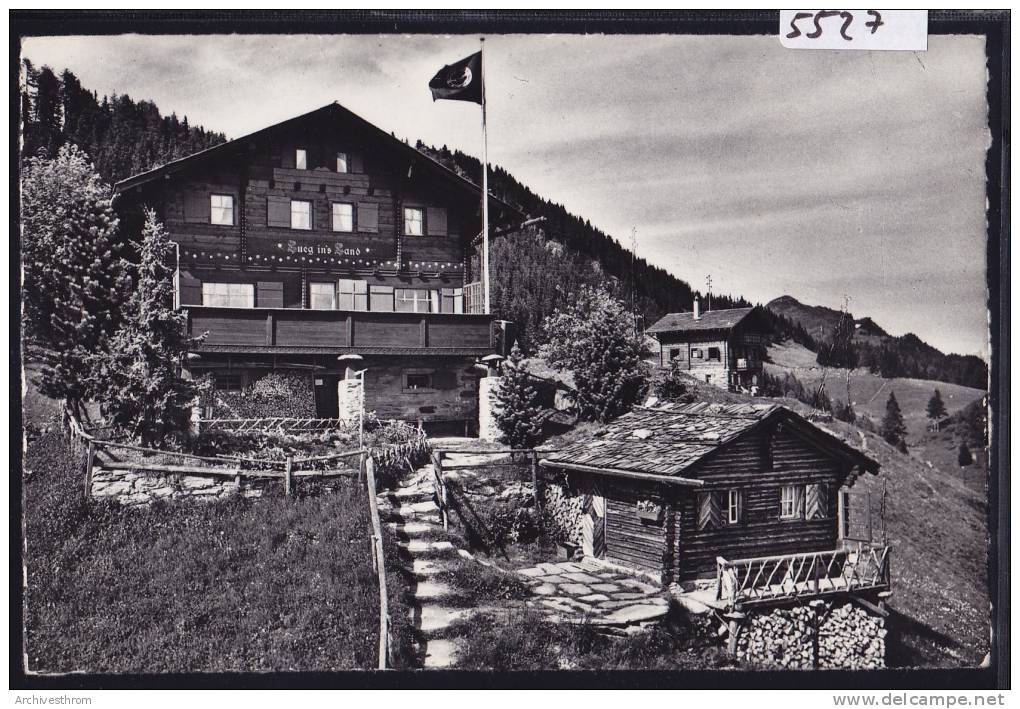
(300, 331)
(860, 567)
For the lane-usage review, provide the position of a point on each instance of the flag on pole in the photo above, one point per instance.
(460, 81)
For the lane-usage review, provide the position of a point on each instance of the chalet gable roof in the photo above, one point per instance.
(710, 320)
(671, 440)
(332, 110)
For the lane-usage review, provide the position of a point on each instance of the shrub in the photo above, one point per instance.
(672, 387)
(276, 395)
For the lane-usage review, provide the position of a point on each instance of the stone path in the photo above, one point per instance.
(589, 590)
(563, 591)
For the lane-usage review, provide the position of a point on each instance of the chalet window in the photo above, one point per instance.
(380, 299)
(734, 506)
(791, 502)
(228, 295)
(676, 353)
(343, 216)
(696, 353)
(416, 381)
(228, 382)
(300, 214)
(452, 300)
(414, 221)
(412, 300)
(713, 354)
(301, 159)
(352, 294)
(341, 162)
(322, 296)
(221, 209)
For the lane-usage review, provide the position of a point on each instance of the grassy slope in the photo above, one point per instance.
(870, 392)
(273, 584)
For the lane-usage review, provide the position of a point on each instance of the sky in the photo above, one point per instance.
(818, 174)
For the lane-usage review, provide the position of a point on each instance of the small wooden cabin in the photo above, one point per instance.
(725, 348)
(672, 490)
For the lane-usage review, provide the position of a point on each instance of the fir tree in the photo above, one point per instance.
(142, 391)
(964, 458)
(936, 407)
(518, 410)
(594, 339)
(893, 428)
(74, 278)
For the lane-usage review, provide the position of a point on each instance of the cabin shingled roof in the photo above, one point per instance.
(710, 320)
(670, 439)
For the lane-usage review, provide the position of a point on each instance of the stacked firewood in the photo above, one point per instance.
(565, 511)
(848, 637)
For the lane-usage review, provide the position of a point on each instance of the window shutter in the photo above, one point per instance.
(435, 221)
(368, 217)
(817, 502)
(278, 211)
(710, 510)
(196, 208)
(357, 164)
(269, 294)
(191, 290)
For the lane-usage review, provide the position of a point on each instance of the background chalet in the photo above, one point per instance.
(322, 236)
(721, 347)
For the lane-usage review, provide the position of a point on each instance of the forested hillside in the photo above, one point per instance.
(121, 136)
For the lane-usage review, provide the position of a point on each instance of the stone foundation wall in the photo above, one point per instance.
(849, 637)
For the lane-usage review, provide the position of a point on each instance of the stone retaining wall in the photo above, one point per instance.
(131, 487)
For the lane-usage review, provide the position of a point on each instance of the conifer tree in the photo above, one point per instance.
(593, 337)
(75, 281)
(518, 410)
(936, 407)
(964, 458)
(893, 428)
(141, 389)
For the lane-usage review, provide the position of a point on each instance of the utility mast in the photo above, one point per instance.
(709, 282)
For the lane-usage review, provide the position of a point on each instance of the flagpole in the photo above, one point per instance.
(485, 189)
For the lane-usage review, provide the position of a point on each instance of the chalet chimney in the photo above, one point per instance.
(697, 309)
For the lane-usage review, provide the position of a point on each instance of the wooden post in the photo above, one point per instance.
(90, 463)
(841, 515)
(373, 509)
(287, 475)
(534, 485)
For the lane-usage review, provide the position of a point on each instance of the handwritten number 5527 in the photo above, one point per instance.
(847, 17)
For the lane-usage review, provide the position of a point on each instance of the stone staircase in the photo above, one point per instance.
(413, 516)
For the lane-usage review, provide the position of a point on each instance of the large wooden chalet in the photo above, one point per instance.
(322, 236)
(721, 347)
(746, 494)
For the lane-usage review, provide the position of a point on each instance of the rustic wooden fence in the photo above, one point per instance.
(772, 578)
(288, 470)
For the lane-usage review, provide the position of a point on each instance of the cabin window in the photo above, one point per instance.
(228, 295)
(300, 214)
(221, 209)
(734, 506)
(416, 381)
(713, 354)
(301, 159)
(228, 382)
(341, 162)
(412, 300)
(352, 294)
(791, 501)
(343, 216)
(322, 296)
(381, 299)
(452, 300)
(676, 353)
(696, 353)
(414, 221)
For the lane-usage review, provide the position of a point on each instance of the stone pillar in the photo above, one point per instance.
(349, 393)
(487, 428)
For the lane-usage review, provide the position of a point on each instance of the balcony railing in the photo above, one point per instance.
(295, 330)
(772, 578)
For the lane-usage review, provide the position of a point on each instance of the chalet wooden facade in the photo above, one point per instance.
(323, 236)
(721, 347)
(678, 492)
